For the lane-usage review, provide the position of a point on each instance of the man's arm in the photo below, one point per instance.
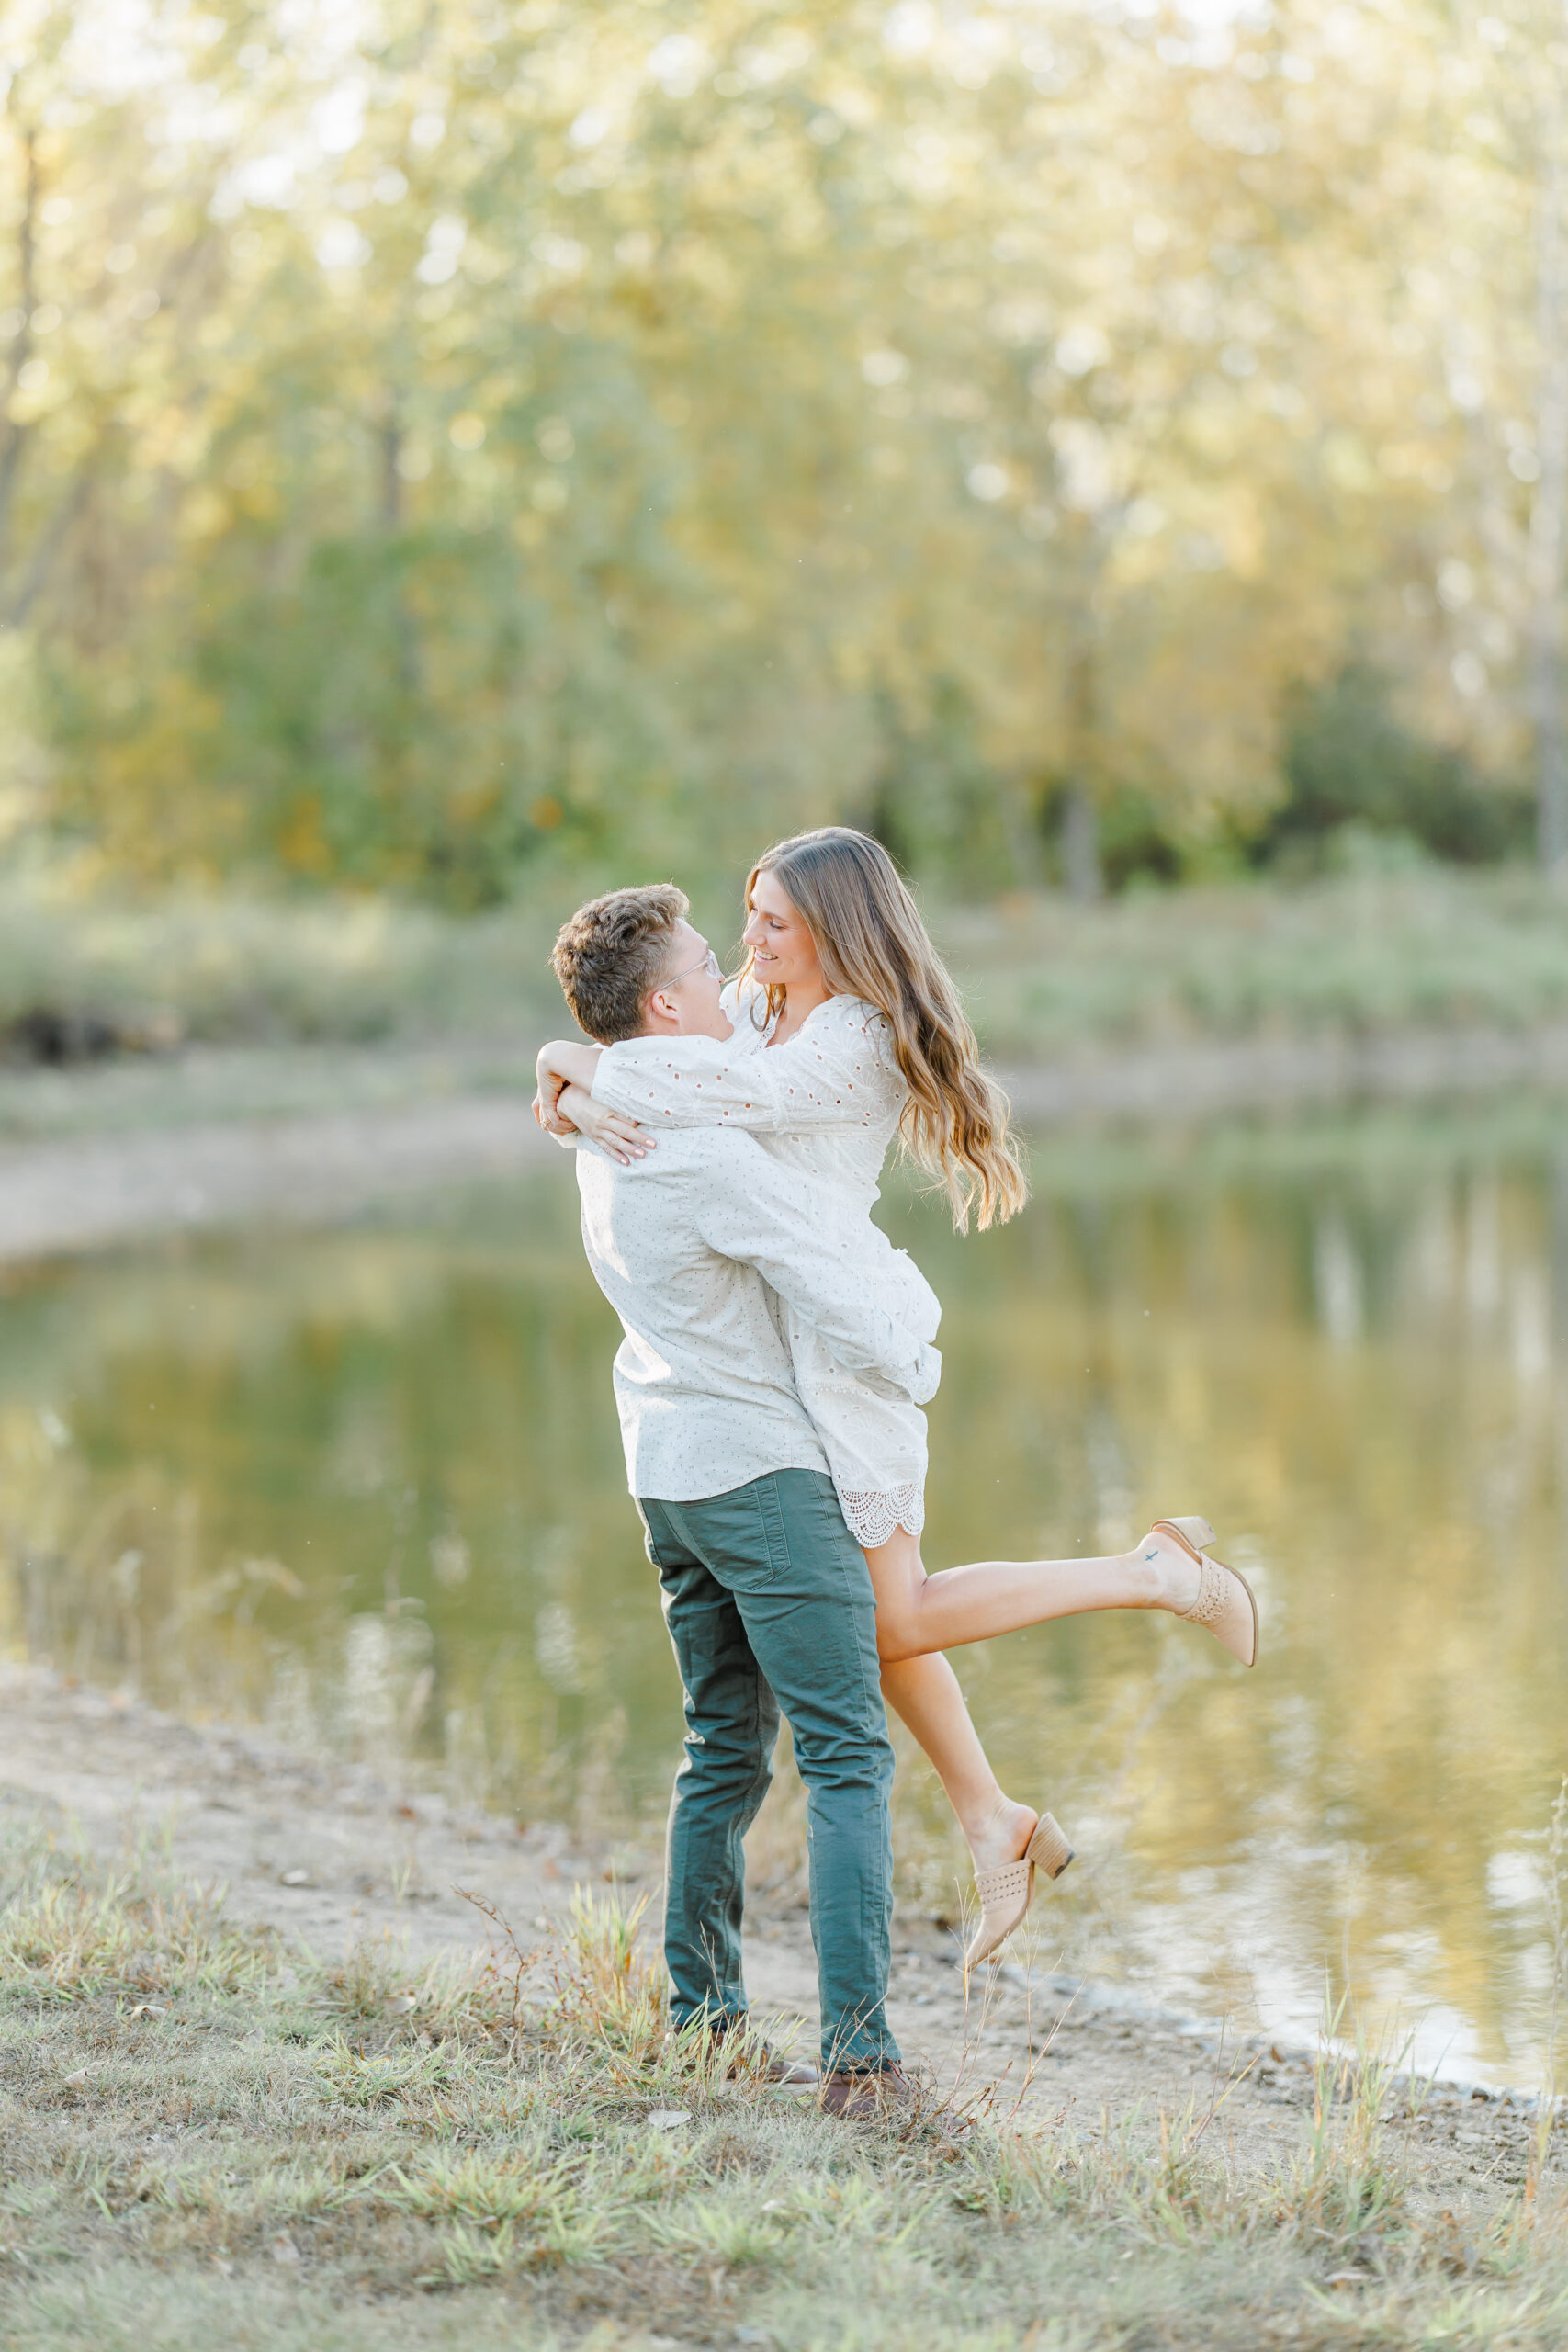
(771, 1217)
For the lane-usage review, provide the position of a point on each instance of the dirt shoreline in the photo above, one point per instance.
(91, 1193)
(99, 1157)
(333, 1854)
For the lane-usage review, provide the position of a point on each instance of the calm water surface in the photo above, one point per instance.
(365, 1487)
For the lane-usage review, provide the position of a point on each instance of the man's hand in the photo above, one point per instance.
(547, 1110)
(552, 1083)
(575, 1113)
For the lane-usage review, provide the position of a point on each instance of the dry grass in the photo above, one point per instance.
(207, 2136)
(229, 967)
(1437, 948)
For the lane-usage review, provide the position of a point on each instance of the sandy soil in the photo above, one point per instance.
(331, 1853)
(86, 1192)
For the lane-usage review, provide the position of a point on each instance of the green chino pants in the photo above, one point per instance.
(766, 1592)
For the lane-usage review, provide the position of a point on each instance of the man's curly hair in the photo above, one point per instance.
(611, 954)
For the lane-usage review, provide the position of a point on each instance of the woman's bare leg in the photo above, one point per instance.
(916, 1613)
(924, 1692)
(919, 1616)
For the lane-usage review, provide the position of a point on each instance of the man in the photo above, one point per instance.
(765, 1592)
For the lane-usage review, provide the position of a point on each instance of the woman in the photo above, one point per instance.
(848, 1031)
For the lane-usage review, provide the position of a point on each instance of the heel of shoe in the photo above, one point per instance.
(1048, 1848)
(1194, 1532)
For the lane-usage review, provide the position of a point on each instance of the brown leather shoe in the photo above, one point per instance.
(884, 2095)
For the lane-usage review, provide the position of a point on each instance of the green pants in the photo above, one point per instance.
(766, 1592)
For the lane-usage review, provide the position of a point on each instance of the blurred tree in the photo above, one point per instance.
(1509, 370)
(1349, 761)
(466, 443)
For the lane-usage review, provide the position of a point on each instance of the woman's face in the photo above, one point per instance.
(784, 954)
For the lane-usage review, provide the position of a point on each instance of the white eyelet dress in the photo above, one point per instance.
(829, 1100)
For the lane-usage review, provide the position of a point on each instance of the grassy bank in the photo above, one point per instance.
(228, 969)
(1044, 978)
(1437, 949)
(208, 2134)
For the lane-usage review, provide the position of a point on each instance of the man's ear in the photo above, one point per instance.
(660, 1012)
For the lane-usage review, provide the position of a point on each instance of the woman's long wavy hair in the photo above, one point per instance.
(872, 943)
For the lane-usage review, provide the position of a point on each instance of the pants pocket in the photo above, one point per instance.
(647, 1543)
(741, 1537)
(770, 1519)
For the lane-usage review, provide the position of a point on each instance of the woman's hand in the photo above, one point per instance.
(575, 1111)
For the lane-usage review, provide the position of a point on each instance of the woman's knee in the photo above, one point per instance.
(899, 1580)
(899, 1629)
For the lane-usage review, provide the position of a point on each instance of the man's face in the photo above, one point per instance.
(686, 1003)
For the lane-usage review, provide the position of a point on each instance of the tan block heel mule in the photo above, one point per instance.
(1005, 1895)
(1226, 1602)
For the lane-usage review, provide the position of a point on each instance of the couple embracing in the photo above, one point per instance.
(778, 1350)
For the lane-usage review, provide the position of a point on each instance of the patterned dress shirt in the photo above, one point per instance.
(694, 1247)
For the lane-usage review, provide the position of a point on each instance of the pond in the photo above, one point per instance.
(364, 1486)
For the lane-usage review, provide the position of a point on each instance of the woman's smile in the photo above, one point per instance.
(783, 951)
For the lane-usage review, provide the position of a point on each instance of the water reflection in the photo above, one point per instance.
(365, 1487)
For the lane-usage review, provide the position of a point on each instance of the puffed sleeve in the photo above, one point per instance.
(769, 1218)
(838, 1071)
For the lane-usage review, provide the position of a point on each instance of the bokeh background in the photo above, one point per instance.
(455, 457)
(473, 450)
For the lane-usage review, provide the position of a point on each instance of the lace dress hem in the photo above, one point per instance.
(874, 1516)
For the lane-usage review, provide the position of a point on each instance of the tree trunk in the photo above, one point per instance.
(14, 436)
(1550, 508)
(1080, 825)
(1080, 847)
(391, 437)
(1020, 830)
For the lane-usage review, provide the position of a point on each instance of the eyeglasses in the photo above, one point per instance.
(710, 964)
